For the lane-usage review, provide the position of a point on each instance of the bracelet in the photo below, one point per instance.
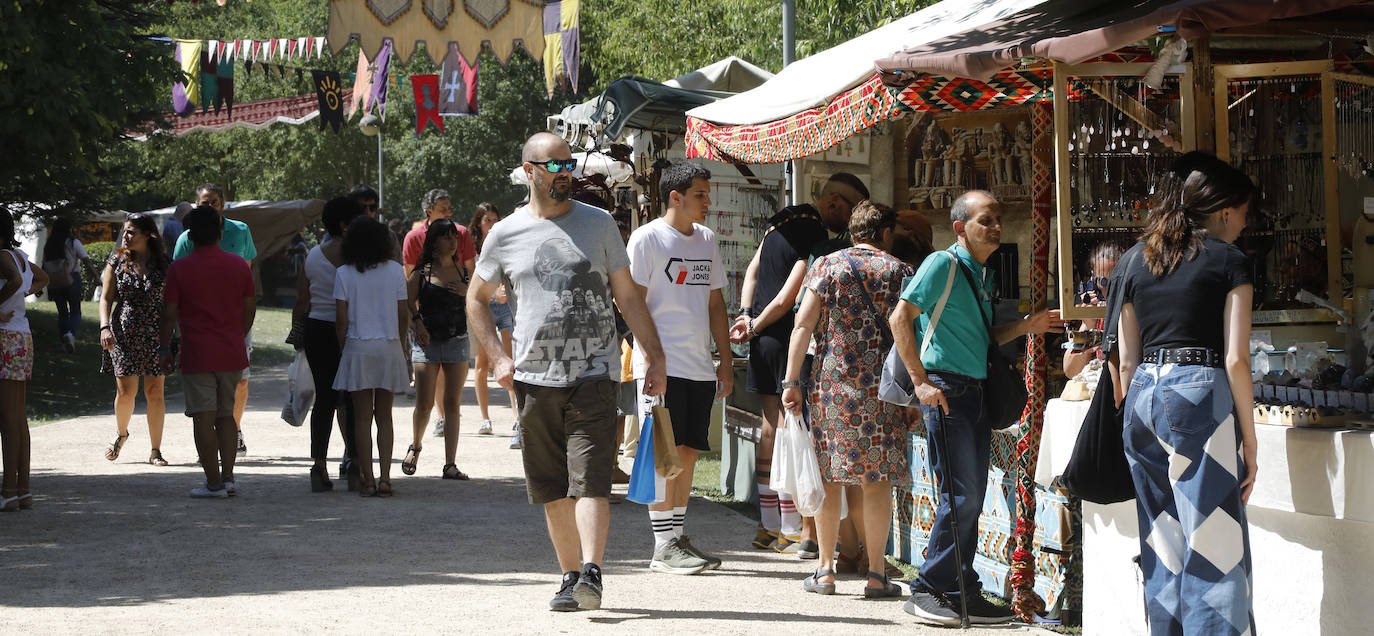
(104, 327)
(749, 326)
(791, 384)
(747, 312)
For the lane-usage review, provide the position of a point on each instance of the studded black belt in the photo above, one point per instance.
(1196, 356)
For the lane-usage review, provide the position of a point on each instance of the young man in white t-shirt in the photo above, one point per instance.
(675, 262)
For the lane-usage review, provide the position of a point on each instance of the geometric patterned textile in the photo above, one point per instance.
(812, 131)
(256, 115)
(1057, 528)
(1182, 446)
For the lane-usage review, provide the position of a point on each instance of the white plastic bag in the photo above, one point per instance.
(300, 393)
(795, 469)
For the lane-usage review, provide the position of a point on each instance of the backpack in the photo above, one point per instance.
(59, 271)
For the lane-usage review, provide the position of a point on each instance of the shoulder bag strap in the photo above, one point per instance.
(940, 305)
(882, 322)
(977, 296)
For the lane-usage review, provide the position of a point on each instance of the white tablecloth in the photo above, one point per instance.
(1321, 472)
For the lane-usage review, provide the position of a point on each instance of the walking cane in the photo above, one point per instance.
(948, 487)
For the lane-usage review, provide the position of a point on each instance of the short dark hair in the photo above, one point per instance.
(366, 243)
(432, 198)
(203, 225)
(677, 177)
(851, 181)
(868, 221)
(210, 187)
(339, 212)
(7, 238)
(362, 192)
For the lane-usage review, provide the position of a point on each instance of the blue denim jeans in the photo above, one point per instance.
(68, 300)
(969, 436)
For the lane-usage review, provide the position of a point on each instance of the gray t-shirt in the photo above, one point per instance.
(557, 275)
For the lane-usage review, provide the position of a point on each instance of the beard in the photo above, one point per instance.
(560, 191)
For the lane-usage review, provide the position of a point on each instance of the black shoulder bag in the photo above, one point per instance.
(1004, 390)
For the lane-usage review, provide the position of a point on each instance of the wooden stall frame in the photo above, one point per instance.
(1330, 174)
(1062, 73)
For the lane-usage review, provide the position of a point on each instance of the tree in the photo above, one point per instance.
(77, 76)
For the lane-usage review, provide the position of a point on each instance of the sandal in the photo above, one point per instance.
(888, 589)
(812, 583)
(156, 458)
(412, 458)
(451, 472)
(368, 489)
(384, 488)
(112, 452)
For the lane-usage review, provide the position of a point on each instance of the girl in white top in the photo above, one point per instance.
(21, 278)
(314, 313)
(370, 323)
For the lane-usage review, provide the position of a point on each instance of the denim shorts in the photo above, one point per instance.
(500, 312)
(449, 351)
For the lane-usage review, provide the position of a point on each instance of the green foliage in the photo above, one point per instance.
(74, 77)
(662, 40)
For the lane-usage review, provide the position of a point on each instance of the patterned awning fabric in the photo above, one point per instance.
(256, 115)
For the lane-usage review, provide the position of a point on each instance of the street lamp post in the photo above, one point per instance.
(371, 125)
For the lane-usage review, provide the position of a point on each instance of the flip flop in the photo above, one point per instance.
(812, 584)
(412, 459)
(888, 590)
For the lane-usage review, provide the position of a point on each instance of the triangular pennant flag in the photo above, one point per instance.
(213, 51)
(302, 47)
(330, 92)
(186, 93)
(209, 85)
(457, 85)
(362, 85)
(257, 48)
(281, 48)
(299, 74)
(379, 83)
(426, 88)
(319, 46)
(241, 50)
(248, 68)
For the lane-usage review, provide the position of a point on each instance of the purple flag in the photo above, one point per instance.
(379, 83)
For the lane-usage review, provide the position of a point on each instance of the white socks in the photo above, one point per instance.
(791, 519)
(679, 520)
(664, 529)
(768, 509)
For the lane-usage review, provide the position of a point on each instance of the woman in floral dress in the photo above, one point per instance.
(133, 280)
(860, 440)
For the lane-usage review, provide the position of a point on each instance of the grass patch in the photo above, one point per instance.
(70, 385)
(706, 483)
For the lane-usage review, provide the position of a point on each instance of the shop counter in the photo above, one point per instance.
(1311, 520)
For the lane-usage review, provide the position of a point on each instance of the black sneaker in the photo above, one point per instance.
(808, 550)
(588, 588)
(243, 448)
(563, 601)
(981, 611)
(932, 608)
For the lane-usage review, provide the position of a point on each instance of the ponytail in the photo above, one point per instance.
(1195, 188)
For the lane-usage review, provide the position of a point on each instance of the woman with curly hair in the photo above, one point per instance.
(370, 324)
(134, 279)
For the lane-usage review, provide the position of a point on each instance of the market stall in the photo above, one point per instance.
(1119, 113)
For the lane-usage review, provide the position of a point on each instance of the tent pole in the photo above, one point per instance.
(380, 205)
(789, 55)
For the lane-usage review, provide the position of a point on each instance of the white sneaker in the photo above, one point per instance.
(203, 492)
(515, 441)
(438, 427)
(69, 342)
(232, 487)
(485, 428)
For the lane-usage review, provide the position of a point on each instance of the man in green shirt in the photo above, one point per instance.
(949, 375)
(235, 238)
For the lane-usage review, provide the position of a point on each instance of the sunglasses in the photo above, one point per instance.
(556, 166)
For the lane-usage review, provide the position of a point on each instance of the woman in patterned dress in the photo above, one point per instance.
(860, 440)
(133, 280)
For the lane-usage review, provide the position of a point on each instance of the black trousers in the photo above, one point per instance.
(322, 351)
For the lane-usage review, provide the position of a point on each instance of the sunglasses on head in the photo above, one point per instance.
(556, 166)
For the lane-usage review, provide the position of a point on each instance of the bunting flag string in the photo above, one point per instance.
(269, 50)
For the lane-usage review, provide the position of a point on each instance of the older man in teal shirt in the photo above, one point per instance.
(949, 377)
(235, 238)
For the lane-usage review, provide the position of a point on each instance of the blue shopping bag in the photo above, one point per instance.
(646, 487)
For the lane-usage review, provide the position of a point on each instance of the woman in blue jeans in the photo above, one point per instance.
(63, 252)
(1184, 339)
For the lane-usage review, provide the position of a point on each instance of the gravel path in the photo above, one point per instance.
(120, 547)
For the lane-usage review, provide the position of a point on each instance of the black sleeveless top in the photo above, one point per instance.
(443, 312)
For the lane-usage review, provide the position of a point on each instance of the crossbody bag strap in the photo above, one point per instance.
(882, 324)
(939, 305)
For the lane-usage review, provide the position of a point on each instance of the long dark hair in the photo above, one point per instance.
(437, 228)
(157, 254)
(475, 225)
(1190, 192)
(366, 243)
(7, 238)
(59, 233)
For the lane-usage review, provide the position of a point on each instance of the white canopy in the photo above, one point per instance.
(730, 75)
(813, 81)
